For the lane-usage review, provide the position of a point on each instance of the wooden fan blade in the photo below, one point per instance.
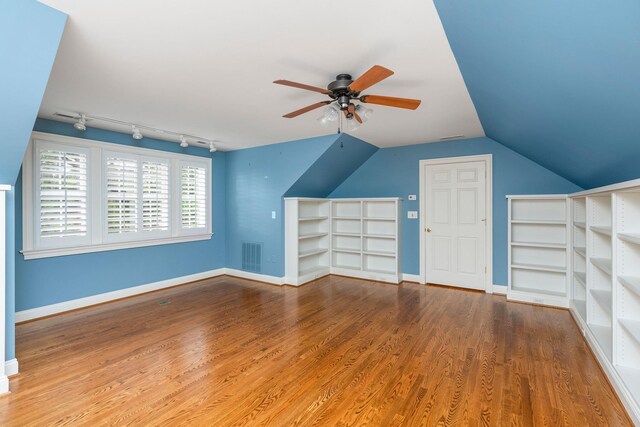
(389, 101)
(358, 118)
(301, 86)
(375, 75)
(306, 109)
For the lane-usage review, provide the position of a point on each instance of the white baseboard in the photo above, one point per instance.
(11, 367)
(499, 289)
(48, 310)
(274, 280)
(411, 278)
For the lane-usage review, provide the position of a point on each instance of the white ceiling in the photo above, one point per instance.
(206, 67)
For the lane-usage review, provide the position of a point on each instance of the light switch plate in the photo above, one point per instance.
(412, 214)
(412, 197)
(273, 214)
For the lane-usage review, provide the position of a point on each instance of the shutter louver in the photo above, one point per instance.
(155, 196)
(122, 195)
(194, 196)
(63, 194)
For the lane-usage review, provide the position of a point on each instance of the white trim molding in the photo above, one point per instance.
(76, 250)
(273, 280)
(488, 160)
(4, 381)
(499, 289)
(61, 307)
(411, 278)
(11, 367)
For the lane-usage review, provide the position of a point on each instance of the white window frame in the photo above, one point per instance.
(97, 240)
(178, 186)
(47, 243)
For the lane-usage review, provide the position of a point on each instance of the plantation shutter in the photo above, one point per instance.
(155, 196)
(193, 180)
(62, 193)
(122, 195)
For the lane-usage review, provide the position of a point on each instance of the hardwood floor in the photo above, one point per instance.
(335, 352)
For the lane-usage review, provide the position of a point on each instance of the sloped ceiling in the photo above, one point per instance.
(556, 81)
(29, 36)
(206, 67)
(335, 165)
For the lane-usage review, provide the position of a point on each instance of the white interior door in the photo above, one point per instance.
(455, 224)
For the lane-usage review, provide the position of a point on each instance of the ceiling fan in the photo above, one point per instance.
(344, 90)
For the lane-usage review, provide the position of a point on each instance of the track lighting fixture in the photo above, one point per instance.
(81, 124)
(183, 142)
(137, 135)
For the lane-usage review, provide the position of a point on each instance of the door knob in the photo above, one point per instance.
(428, 229)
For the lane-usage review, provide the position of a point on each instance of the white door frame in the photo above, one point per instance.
(488, 160)
(4, 381)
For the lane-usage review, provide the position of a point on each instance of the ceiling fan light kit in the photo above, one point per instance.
(343, 92)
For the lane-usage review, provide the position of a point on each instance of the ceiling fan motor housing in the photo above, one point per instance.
(340, 90)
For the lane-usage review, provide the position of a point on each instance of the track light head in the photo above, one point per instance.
(183, 142)
(136, 134)
(81, 124)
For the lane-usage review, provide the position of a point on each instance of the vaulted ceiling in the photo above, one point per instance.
(556, 81)
(206, 67)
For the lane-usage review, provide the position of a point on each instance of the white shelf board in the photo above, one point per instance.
(631, 282)
(347, 251)
(314, 269)
(346, 234)
(603, 264)
(632, 326)
(380, 236)
(371, 218)
(540, 245)
(581, 306)
(538, 291)
(550, 268)
(312, 235)
(582, 251)
(347, 267)
(580, 224)
(601, 230)
(347, 218)
(582, 277)
(313, 218)
(379, 253)
(538, 222)
(631, 378)
(370, 270)
(603, 336)
(630, 237)
(603, 298)
(312, 253)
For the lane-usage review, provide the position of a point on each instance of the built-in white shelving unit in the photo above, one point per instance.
(363, 238)
(539, 249)
(307, 233)
(605, 288)
(626, 288)
(599, 271)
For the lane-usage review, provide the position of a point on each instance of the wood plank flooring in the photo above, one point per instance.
(338, 351)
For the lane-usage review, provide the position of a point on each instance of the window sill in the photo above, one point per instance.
(103, 247)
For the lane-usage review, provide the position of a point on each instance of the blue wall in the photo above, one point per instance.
(257, 178)
(394, 172)
(51, 280)
(557, 81)
(30, 33)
